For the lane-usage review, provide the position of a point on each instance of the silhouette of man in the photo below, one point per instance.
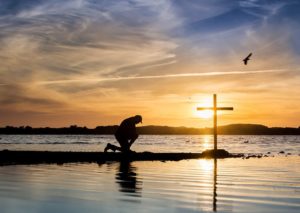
(125, 134)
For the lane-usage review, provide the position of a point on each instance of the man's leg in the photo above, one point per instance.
(112, 147)
(125, 147)
(125, 144)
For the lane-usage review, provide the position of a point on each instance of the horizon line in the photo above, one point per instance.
(155, 126)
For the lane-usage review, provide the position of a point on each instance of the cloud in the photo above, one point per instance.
(49, 40)
(158, 76)
(94, 56)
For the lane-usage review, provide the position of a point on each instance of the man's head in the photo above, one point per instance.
(138, 119)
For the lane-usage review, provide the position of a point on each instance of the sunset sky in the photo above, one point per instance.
(90, 62)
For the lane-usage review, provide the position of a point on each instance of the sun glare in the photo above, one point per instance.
(207, 142)
(206, 114)
(206, 165)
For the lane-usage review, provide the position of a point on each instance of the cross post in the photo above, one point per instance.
(215, 109)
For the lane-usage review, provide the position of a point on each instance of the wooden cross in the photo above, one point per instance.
(215, 109)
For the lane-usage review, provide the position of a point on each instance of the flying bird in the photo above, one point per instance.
(247, 59)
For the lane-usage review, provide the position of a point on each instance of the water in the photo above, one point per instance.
(155, 143)
(269, 184)
(230, 185)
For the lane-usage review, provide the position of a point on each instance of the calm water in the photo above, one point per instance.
(230, 185)
(269, 184)
(155, 143)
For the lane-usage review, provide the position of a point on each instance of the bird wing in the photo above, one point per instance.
(249, 55)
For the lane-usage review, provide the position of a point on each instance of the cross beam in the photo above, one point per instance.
(215, 109)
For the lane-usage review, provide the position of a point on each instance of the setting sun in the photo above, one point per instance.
(204, 114)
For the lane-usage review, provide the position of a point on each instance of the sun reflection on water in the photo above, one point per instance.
(206, 165)
(207, 142)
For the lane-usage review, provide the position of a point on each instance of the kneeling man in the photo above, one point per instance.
(125, 134)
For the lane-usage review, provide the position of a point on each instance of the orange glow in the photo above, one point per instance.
(207, 142)
(205, 114)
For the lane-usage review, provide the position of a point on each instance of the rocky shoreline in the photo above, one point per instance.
(8, 157)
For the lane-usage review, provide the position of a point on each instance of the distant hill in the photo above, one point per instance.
(232, 129)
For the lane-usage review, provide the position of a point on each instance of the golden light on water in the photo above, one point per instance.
(206, 165)
(207, 142)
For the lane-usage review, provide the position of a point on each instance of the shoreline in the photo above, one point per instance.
(8, 157)
(231, 129)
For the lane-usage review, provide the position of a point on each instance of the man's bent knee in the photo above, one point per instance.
(135, 137)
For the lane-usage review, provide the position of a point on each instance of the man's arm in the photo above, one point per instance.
(132, 140)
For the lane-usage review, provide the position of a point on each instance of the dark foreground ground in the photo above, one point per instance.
(37, 157)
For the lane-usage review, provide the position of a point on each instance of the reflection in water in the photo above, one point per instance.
(253, 185)
(208, 168)
(127, 179)
(207, 142)
(215, 186)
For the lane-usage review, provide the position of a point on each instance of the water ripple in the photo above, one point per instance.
(228, 185)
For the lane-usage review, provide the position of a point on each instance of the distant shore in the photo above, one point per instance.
(232, 129)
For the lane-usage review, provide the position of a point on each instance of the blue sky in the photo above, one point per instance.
(96, 62)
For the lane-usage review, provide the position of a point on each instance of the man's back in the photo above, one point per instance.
(127, 128)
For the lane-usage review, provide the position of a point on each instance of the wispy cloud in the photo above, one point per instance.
(69, 81)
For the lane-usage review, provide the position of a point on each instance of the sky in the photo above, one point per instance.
(92, 63)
